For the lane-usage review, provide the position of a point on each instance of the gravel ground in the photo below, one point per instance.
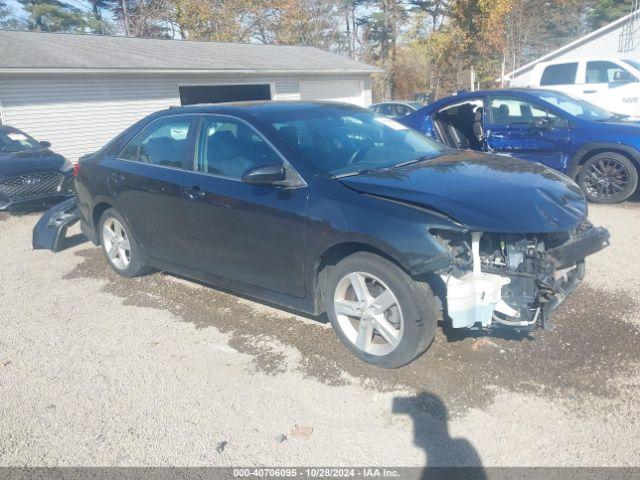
(100, 370)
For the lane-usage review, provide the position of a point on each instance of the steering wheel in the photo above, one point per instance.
(359, 153)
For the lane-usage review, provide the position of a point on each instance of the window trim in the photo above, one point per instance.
(193, 166)
(189, 147)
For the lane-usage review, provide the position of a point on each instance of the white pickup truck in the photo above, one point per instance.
(608, 82)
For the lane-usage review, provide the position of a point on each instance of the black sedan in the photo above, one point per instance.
(326, 207)
(31, 175)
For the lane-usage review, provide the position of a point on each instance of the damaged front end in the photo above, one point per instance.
(514, 280)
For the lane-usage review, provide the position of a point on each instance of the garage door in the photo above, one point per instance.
(337, 90)
(224, 93)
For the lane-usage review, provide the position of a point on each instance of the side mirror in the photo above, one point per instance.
(268, 174)
(45, 144)
(542, 123)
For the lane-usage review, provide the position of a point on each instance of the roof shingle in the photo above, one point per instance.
(33, 50)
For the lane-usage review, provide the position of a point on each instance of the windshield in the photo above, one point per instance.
(416, 105)
(341, 140)
(575, 107)
(15, 141)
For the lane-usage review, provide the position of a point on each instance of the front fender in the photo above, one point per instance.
(398, 230)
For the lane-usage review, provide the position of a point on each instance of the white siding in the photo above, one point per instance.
(341, 90)
(287, 90)
(79, 113)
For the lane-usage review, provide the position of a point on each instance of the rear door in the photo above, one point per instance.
(252, 234)
(526, 130)
(146, 179)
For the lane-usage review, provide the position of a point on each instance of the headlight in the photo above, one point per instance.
(67, 167)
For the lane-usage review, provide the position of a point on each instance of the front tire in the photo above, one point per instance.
(119, 246)
(608, 177)
(378, 311)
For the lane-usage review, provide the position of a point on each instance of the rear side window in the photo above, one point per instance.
(561, 74)
(386, 109)
(163, 142)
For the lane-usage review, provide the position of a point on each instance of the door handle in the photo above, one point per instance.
(118, 177)
(589, 91)
(194, 193)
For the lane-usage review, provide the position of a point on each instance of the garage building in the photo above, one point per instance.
(79, 91)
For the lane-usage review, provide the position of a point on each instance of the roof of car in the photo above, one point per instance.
(61, 51)
(479, 93)
(259, 106)
(402, 102)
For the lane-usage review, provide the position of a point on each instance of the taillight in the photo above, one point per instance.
(76, 169)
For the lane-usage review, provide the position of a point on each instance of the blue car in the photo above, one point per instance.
(598, 149)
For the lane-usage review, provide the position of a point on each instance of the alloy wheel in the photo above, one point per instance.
(368, 313)
(606, 178)
(116, 243)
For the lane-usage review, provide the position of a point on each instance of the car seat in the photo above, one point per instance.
(459, 139)
(290, 134)
(222, 156)
(478, 128)
(501, 115)
(163, 151)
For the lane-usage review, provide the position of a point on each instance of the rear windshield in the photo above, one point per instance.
(15, 141)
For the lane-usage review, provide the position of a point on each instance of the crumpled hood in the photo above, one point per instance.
(17, 163)
(483, 192)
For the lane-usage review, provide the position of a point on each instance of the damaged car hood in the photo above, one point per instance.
(483, 192)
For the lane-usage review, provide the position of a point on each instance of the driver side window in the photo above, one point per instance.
(228, 148)
(513, 112)
(162, 142)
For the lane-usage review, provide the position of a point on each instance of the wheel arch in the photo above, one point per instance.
(98, 209)
(589, 150)
(334, 254)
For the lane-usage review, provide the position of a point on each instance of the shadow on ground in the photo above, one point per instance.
(430, 419)
(591, 345)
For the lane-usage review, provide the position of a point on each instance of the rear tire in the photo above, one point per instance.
(608, 177)
(378, 311)
(119, 246)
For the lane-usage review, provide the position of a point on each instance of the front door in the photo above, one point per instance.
(525, 130)
(146, 180)
(251, 234)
